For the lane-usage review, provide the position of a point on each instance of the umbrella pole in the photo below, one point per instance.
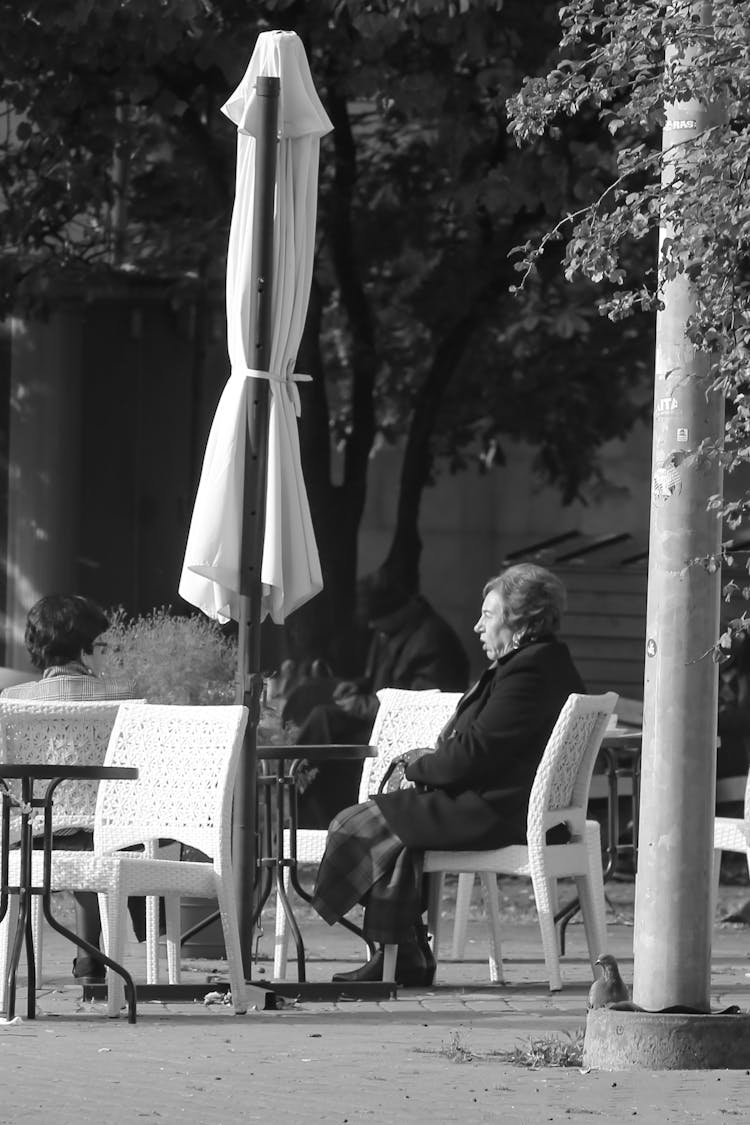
(250, 679)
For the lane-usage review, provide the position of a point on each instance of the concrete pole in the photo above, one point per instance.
(673, 926)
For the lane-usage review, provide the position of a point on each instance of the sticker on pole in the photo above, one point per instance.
(666, 483)
(666, 405)
(667, 479)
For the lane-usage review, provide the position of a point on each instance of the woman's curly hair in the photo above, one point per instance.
(533, 600)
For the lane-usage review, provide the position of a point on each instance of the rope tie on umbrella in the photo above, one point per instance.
(288, 379)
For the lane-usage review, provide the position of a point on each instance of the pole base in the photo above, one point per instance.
(622, 1040)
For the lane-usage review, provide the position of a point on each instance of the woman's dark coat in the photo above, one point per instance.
(479, 778)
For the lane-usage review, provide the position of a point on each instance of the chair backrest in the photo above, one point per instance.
(187, 758)
(66, 732)
(560, 791)
(405, 720)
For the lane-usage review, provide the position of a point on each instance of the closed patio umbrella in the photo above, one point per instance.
(251, 502)
(290, 571)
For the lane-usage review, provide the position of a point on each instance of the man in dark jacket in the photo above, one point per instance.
(412, 647)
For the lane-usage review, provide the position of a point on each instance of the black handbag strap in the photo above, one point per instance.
(392, 767)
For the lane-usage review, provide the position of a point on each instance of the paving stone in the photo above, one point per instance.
(431, 1055)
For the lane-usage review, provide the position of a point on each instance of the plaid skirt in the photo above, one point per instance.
(364, 862)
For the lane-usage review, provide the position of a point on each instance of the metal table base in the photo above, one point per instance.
(279, 795)
(54, 773)
(260, 997)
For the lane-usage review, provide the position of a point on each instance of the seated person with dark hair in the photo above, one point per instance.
(412, 647)
(62, 629)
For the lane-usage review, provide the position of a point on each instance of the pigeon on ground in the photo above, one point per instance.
(609, 988)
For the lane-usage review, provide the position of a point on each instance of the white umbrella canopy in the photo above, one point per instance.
(290, 572)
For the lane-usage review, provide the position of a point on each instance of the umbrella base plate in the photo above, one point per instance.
(266, 998)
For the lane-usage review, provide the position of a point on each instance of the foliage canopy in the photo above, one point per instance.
(623, 65)
(116, 162)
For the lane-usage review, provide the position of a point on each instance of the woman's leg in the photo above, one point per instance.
(364, 862)
(360, 849)
(89, 927)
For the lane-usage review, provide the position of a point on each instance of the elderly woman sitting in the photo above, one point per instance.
(472, 792)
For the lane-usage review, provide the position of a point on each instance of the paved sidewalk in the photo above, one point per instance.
(429, 1056)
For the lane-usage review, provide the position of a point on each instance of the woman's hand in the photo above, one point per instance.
(345, 690)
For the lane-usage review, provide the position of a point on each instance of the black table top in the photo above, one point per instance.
(55, 770)
(322, 752)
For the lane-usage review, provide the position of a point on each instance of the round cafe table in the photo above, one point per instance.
(29, 803)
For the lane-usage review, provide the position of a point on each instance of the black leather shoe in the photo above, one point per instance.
(411, 969)
(372, 970)
(87, 970)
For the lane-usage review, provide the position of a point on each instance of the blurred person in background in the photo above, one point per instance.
(412, 647)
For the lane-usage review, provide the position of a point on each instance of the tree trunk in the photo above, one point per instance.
(404, 554)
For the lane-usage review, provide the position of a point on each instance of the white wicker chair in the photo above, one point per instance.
(405, 720)
(187, 760)
(559, 795)
(731, 834)
(66, 732)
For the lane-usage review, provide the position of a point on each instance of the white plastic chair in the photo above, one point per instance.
(731, 834)
(405, 720)
(559, 795)
(65, 732)
(187, 760)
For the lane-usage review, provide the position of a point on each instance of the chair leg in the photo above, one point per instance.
(715, 884)
(231, 927)
(435, 883)
(113, 908)
(554, 900)
(390, 952)
(590, 887)
(152, 939)
(7, 929)
(37, 930)
(174, 953)
(281, 937)
(492, 908)
(463, 902)
(105, 916)
(545, 908)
